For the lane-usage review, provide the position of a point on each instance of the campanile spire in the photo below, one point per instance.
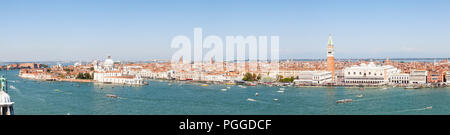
(330, 40)
(330, 57)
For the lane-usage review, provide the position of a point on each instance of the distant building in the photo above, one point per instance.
(339, 76)
(107, 65)
(106, 72)
(399, 79)
(368, 74)
(313, 77)
(435, 77)
(418, 76)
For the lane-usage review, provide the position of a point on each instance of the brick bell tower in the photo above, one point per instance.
(330, 57)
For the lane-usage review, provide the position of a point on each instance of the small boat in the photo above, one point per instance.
(12, 87)
(250, 99)
(57, 90)
(276, 99)
(228, 87)
(360, 95)
(230, 83)
(429, 107)
(111, 96)
(223, 89)
(344, 101)
(256, 94)
(241, 86)
(412, 87)
(204, 85)
(280, 91)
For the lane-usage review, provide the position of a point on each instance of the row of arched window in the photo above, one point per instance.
(361, 73)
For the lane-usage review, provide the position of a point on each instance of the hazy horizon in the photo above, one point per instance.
(138, 30)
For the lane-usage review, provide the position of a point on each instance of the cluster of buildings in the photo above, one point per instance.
(99, 71)
(22, 66)
(107, 72)
(329, 72)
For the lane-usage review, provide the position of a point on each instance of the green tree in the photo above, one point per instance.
(84, 76)
(250, 77)
(287, 80)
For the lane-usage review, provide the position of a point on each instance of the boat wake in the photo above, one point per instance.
(414, 110)
(12, 87)
(384, 97)
(263, 102)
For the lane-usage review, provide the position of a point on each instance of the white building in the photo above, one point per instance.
(418, 76)
(368, 74)
(313, 77)
(107, 65)
(399, 79)
(106, 72)
(214, 77)
(117, 77)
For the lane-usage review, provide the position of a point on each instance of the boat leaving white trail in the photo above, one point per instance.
(418, 109)
(12, 87)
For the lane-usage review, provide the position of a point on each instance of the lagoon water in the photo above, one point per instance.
(61, 98)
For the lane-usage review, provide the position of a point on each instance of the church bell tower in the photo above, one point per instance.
(330, 57)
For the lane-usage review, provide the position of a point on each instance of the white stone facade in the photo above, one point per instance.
(418, 77)
(368, 74)
(399, 79)
(313, 77)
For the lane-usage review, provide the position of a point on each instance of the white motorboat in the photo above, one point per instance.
(344, 101)
(111, 96)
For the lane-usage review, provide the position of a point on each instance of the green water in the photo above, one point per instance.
(61, 98)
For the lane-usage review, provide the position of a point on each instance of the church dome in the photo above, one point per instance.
(371, 64)
(5, 99)
(108, 62)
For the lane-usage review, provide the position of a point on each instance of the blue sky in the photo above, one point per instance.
(32, 30)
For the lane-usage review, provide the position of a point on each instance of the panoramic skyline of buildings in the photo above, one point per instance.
(329, 72)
